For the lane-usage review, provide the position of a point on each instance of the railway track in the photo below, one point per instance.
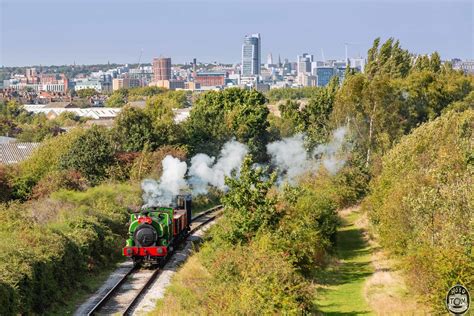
(124, 296)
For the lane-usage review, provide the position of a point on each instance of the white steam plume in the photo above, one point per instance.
(292, 160)
(205, 172)
(332, 161)
(161, 193)
(290, 156)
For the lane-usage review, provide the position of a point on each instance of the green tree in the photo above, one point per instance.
(217, 117)
(86, 93)
(389, 60)
(371, 108)
(248, 205)
(133, 129)
(90, 154)
(421, 205)
(317, 112)
(117, 99)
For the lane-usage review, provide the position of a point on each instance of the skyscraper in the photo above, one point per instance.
(269, 59)
(161, 69)
(304, 63)
(251, 55)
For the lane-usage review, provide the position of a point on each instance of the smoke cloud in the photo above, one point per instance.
(205, 172)
(293, 160)
(161, 193)
(288, 155)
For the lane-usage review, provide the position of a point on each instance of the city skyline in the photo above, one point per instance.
(53, 34)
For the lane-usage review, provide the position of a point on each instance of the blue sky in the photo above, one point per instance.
(85, 31)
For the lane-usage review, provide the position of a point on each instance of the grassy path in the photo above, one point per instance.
(342, 290)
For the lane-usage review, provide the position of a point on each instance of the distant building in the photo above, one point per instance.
(357, 63)
(324, 75)
(161, 69)
(304, 63)
(91, 83)
(124, 83)
(467, 66)
(307, 80)
(192, 85)
(210, 78)
(169, 84)
(11, 153)
(95, 113)
(269, 61)
(251, 55)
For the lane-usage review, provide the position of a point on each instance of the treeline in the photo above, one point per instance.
(16, 122)
(421, 205)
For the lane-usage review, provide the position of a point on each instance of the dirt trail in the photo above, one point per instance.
(385, 290)
(363, 280)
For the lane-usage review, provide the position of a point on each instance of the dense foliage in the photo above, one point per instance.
(422, 204)
(16, 122)
(90, 154)
(217, 117)
(48, 245)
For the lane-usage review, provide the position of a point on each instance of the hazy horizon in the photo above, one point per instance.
(87, 32)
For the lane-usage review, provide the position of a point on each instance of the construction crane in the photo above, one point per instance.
(138, 67)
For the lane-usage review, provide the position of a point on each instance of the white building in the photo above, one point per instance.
(92, 83)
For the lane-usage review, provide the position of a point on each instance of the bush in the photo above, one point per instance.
(56, 180)
(251, 279)
(90, 153)
(44, 257)
(5, 188)
(421, 204)
(148, 164)
(44, 160)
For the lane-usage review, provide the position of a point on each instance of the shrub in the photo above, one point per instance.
(248, 205)
(56, 180)
(90, 153)
(251, 279)
(43, 258)
(421, 204)
(44, 160)
(5, 188)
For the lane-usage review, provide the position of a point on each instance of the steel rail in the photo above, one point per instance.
(113, 290)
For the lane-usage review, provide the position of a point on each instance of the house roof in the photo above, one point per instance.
(5, 139)
(94, 113)
(11, 153)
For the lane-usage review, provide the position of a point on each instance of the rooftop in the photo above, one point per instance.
(11, 153)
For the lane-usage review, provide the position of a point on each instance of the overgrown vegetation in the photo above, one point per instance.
(422, 204)
(49, 244)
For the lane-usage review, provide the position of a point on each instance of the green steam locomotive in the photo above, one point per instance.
(155, 231)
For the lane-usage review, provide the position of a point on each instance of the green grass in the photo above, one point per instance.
(342, 283)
